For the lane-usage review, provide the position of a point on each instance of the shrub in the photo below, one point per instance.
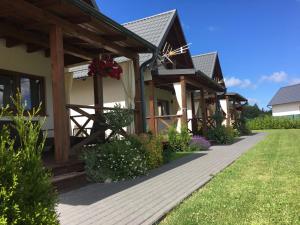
(221, 135)
(154, 148)
(118, 118)
(26, 193)
(241, 126)
(179, 141)
(116, 160)
(199, 143)
(269, 122)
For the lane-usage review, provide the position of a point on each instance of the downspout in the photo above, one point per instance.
(142, 70)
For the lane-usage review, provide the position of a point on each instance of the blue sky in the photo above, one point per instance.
(258, 40)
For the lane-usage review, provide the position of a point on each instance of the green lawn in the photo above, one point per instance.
(262, 187)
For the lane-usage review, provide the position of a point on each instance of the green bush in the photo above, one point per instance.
(179, 142)
(116, 160)
(269, 122)
(154, 148)
(222, 135)
(26, 192)
(241, 127)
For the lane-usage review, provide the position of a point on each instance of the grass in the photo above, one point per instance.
(262, 187)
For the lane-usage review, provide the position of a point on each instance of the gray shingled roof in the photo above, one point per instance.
(205, 63)
(286, 94)
(153, 29)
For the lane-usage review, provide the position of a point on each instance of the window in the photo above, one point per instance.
(163, 107)
(6, 90)
(31, 89)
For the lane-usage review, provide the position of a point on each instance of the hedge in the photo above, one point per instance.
(269, 122)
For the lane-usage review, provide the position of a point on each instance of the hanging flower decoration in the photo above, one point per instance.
(105, 67)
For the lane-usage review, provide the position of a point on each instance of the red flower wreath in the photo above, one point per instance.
(105, 67)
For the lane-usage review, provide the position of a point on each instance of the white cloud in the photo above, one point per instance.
(276, 77)
(236, 82)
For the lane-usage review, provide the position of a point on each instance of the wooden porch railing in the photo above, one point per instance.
(197, 124)
(163, 123)
(83, 120)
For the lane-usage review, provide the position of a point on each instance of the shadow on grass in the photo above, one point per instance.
(98, 191)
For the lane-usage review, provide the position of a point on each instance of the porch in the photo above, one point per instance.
(195, 96)
(65, 33)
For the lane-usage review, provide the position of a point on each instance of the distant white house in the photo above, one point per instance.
(286, 101)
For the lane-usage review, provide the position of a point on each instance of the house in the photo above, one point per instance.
(232, 105)
(209, 65)
(286, 101)
(168, 83)
(39, 40)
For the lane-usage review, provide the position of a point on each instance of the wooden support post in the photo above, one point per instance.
(61, 120)
(98, 102)
(194, 118)
(228, 114)
(152, 107)
(184, 101)
(138, 118)
(204, 112)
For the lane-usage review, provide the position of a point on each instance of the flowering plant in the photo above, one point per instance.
(200, 143)
(116, 160)
(105, 67)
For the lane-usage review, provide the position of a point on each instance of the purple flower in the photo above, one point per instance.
(200, 142)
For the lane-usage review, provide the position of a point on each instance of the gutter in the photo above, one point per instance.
(142, 70)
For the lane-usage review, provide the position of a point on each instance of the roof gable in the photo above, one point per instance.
(286, 94)
(205, 63)
(209, 64)
(158, 29)
(152, 28)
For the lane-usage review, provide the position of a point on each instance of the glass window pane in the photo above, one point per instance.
(6, 90)
(26, 93)
(31, 92)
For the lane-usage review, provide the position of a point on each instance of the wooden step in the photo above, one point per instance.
(68, 167)
(69, 181)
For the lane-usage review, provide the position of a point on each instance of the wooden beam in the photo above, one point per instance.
(98, 103)
(37, 39)
(184, 101)
(138, 119)
(203, 111)
(31, 11)
(79, 19)
(61, 120)
(47, 3)
(33, 48)
(10, 43)
(152, 107)
(115, 37)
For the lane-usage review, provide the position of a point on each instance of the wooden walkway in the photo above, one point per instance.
(145, 200)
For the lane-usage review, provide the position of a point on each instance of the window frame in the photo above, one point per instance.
(16, 77)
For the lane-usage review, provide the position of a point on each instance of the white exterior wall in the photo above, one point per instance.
(286, 109)
(18, 60)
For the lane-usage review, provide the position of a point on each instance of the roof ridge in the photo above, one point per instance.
(290, 85)
(149, 17)
(208, 53)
